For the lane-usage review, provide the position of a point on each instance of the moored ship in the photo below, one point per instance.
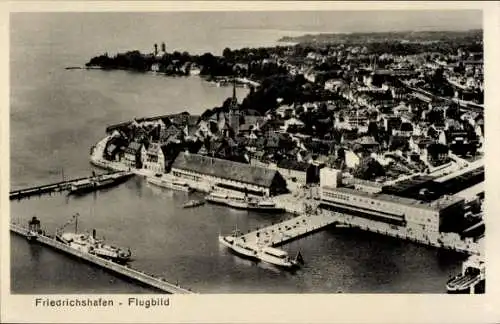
(243, 202)
(471, 280)
(255, 251)
(279, 257)
(170, 184)
(239, 246)
(98, 182)
(86, 243)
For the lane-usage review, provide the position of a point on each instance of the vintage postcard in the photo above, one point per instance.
(249, 162)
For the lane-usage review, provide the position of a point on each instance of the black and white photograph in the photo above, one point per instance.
(156, 153)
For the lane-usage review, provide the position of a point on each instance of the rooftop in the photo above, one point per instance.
(436, 205)
(226, 169)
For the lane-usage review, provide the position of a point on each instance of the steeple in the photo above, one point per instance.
(234, 113)
(234, 100)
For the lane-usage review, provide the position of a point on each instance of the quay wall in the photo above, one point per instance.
(125, 271)
(450, 241)
(298, 206)
(49, 188)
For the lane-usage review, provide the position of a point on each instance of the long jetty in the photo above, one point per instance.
(308, 223)
(288, 230)
(121, 270)
(50, 188)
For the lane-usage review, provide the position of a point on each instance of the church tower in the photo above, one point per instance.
(234, 111)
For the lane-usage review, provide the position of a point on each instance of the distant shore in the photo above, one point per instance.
(378, 36)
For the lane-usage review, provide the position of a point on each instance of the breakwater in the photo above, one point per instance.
(121, 270)
(53, 187)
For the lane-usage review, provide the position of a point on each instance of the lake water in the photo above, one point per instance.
(56, 115)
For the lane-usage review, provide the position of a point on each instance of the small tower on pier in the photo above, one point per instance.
(34, 225)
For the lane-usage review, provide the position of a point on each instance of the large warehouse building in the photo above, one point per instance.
(228, 174)
(441, 215)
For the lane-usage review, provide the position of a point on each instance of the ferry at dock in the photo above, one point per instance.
(267, 254)
(86, 243)
(239, 246)
(170, 184)
(98, 182)
(243, 202)
(278, 257)
(471, 280)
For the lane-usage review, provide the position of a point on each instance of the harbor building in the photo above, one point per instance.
(441, 215)
(153, 158)
(228, 174)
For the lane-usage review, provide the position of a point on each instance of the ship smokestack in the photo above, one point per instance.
(93, 233)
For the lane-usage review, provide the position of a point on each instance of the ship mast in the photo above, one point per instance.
(75, 219)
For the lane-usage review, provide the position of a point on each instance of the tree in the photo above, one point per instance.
(206, 114)
(435, 116)
(435, 150)
(369, 169)
(453, 112)
(227, 104)
(227, 54)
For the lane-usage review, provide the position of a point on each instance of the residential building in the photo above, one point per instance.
(132, 155)
(153, 158)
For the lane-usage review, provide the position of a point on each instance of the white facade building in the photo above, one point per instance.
(153, 158)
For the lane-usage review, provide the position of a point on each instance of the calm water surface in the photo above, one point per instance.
(56, 115)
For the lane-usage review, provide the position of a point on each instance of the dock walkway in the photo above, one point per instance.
(124, 271)
(306, 224)
(289, 230)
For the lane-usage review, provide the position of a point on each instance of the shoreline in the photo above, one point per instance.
(298, 207)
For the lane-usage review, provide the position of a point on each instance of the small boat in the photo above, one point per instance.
(170, 184)
(193, 203)
(90, 244)
(217, 198)
(194, 70)
(471, 280)
(264, 206)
